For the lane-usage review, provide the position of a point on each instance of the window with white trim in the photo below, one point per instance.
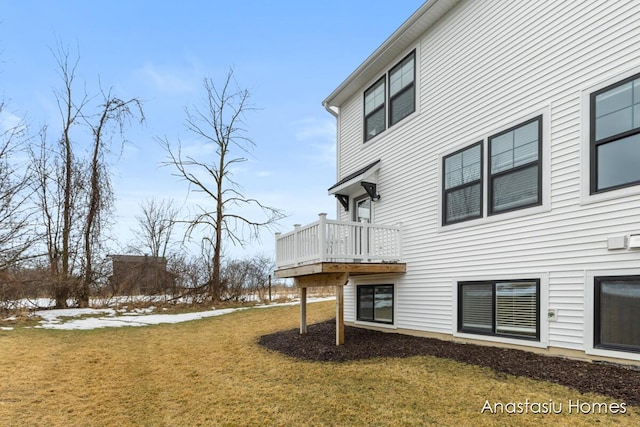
(375, 303)
(501, 308)
(463, 185)
(401, 90)
(514, 174)
(391, 98)
(374, 109)
(615, 136)
(617, 313)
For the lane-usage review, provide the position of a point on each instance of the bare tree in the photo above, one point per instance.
(115, 113)
(70, 112)
(60, 183)
(73, 191)
(246, 278)
(15, 212)
(261, 268)
(219, 125)
(155, 226)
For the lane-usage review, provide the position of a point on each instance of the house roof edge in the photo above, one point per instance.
(422, 19)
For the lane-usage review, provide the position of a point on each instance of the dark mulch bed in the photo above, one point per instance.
(618, 382)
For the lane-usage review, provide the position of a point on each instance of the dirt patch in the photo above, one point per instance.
(618, 382)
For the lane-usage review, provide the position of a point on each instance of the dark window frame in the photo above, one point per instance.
(488, 179)
(597, 283)
(493, 333)
(383, 107)
(359, 316)
(446, 191)
(402, 91)
(594, 144)
(386, 77)
(492, 176)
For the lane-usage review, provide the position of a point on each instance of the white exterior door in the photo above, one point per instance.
(362, 213)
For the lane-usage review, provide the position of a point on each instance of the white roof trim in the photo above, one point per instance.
(424, 18)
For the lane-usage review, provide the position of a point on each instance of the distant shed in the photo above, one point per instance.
(140, 274)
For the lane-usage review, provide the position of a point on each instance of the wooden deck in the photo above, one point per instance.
(352, 268)
(327, 252)
(333, 274)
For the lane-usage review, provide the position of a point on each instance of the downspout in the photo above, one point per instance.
(339, 288)
(335, 112)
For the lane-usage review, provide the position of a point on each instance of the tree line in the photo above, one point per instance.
(56, 198)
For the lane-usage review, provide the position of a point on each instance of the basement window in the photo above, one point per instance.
(375, 303)
(501, 308)
(617, 313)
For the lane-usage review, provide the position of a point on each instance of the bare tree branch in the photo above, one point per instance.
(219, 124)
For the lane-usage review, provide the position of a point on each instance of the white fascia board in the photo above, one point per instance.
(424, 18)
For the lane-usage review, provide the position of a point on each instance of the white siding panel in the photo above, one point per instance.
(484, 67)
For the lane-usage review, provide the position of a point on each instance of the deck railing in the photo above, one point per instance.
(335, 241)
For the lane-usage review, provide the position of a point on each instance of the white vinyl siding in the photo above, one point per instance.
(476, 79)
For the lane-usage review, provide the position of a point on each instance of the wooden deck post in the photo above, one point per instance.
(339, 314)
(303, 311)
(338, 280)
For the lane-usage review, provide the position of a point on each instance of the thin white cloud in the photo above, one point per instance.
(172, 80)
(320, 134)
(9, 122)
(314, 129)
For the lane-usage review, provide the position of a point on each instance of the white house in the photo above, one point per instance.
(488, 162)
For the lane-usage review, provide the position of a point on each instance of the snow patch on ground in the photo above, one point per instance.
(92, 318)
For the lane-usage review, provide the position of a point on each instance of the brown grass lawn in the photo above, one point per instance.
(211, 372)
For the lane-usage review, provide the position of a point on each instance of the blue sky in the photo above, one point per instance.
(289, 54)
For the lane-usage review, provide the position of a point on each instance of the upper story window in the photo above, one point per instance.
(463, 184)
(401, 90)
(400, 98)
(374, 109)
(615, 136)
(514, 174)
